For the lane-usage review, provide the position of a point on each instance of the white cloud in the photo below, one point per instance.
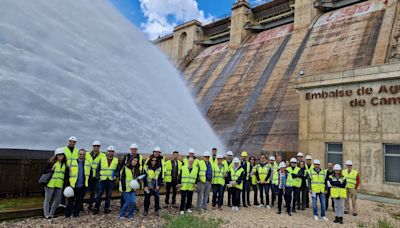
(163, 15)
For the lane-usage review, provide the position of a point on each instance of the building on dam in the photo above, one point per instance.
(317, 76)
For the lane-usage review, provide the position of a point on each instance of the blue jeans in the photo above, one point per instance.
(108, 186)
(264, 188)
(218, 193)
(321, 197)
(156, 194)
(129, 204)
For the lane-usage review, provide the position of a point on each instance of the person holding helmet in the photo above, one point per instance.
(337, 183)
(353, 182)
(296, 180)
(187, 184)
(228, 165)
(79, 173)
(71, 153)
(192, 154)
(284, 187)
(152, 182)
(218, 182)
(53, 189)
(246, 184)
(172, 171)
(107, 172)
(204, 181)
(235, 182)
(128, 173)
(300, 157)
(93, 157)
(253, 182)
(263, 173)
(317, 182)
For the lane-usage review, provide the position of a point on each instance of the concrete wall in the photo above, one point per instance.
(363, 130)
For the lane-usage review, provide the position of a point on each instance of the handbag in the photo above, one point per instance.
(45, 178)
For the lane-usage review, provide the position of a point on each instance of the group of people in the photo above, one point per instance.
(292, 182)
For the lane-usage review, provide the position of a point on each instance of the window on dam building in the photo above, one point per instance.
(392, 161)
(334, 153)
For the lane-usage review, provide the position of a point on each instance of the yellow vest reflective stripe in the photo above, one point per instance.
(337, 192)
(70, 155)
(289, 180)
(235, 175)
(247, 170)
(317, 181)
(297, 180)
(74, 170)
(107, 172)
(188, 179)
(186, 161)
(128, 179)
(168, 170)
(218, 174)
(202, 171)
(263, 172)
(275, 178)
(351, 178)
(57, 179)
(227, 167)
(254, 177)
(153, 174)
(93, 162)
(309, 168)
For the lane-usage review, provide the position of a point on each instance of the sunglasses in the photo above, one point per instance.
(96, 146)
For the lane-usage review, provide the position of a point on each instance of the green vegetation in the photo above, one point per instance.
(189, 221)
(381, 223)
(20, 203)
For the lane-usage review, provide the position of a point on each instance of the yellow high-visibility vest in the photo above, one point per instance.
(297, 180)
(235, 175)
(188, 179)
(168, 170)
(94, 162)
(57, 179)
(337, 192)
(74, 171)
(351, 178)
(317, 181)
(128, 179)
(108, 172)
(263, 172)
(218, 174)
(70, 155)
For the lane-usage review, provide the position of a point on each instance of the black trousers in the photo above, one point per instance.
(288, 198)
(229, 193)
(244, 192)
(235, 196)
(307, 198)
(296, 198)
(255, 190)
(156, 200)
(217, 195)
(303, 192)
(92, 188)
(327, 196)
(170, 185)
(75, 203)
(186, 200)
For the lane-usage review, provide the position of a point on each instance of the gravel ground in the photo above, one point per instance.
(369, 212)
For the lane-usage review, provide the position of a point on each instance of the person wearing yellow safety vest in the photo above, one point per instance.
(353, 182)
(274, 167)
(152, 182)
(263, 173)
(213, 158)
(93, 157)
(191, 155)
(187, 184)
(294, 171)
(128, 173)
(107, 172)
(228, 165)
(54, 187)
(172, 171)
(317, 184)
(235, 182)
(337, 183)
(284, 187)
(303, 174)
(253, 182)
(218, 182)
(309, 166)
(204, 181)
(160, 161)
(79, 172)
(246, 184)
(71, 153)
(329, 172)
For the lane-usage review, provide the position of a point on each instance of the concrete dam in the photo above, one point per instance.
(243, 68)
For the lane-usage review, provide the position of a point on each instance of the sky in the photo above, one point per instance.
(159, 17)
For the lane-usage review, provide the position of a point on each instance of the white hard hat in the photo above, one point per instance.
(300, 154)
(134, 185)
(68, 192)
(293, 160)
(229, 153)
(272, 158)
(236, 160)
(206, 154)
(59, 151)
(337, 167)
(282, 165)
(349, 162)
(157, 148)
(308, 157)
(133, 146)
(111, 148)
(219, 156)
(191, 151)
(72, 138)
(96, 143)
(317, 162)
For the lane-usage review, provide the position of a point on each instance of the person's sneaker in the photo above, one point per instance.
(107, 211)
(122, 218)
(336, 219)
(256, 204)
(244, 205)
(355, 214)
(233, 208)
(290, 214)
(325, 218)
(62, 205)
(166, 206)
(182, 213)
(268, 207)
(346, 212)
(340, 220)
(279, 212)
(157, 213)
(260, 205)
(189, 211)
(315, 217)
(248, 204)
(220, 208)
(130, 218)
(145, 213)
(237, 209)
